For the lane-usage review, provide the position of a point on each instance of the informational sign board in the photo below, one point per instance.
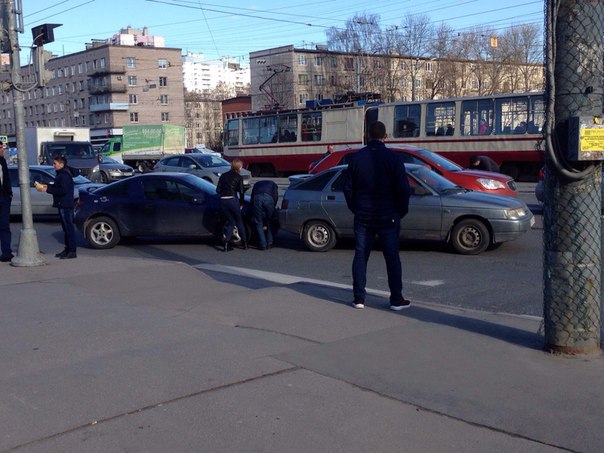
(585, 138)
(3, 139)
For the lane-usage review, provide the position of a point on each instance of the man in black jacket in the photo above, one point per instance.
(6, 196)
(62, 193)
(230, 190)
(377, 192)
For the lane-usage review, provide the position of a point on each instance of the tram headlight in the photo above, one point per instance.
(490, 184)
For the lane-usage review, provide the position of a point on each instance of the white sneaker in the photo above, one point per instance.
(358, 303)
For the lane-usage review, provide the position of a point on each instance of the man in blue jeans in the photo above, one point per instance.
(62, 193)
(377, 192)
(265, 194)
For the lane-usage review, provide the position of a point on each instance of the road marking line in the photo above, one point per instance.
(430, 283)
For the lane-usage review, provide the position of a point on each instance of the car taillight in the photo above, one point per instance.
(79, 203)
(284, 204)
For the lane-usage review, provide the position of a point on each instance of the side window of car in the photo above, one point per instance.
(338, 184)
(187, 193)
(317, 183)
(13, 174)
(411, 159)
(40, 176)
(172, 162)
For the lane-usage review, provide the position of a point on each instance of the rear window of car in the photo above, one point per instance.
(116, 189)
(317, 182)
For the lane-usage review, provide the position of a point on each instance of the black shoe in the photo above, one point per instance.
(69, 256)
(6, 258)
(244, 245)
(403, 303)
(227, 246)
(62, 254)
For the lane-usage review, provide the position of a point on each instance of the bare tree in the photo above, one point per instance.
(522, 48)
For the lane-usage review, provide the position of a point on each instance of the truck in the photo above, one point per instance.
(141, 146)
(44, 143)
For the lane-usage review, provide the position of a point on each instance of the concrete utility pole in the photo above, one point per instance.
(572, 231)
(28, 253)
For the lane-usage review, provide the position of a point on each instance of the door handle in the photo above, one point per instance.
(331, 197)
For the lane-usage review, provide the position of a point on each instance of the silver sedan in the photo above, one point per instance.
(439, 210)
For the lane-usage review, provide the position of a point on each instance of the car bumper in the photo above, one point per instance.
(510, 230)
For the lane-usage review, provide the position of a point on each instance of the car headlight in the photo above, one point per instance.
(217, 173)
(516, 214)
(96, 169)
(115, 173)
(490, 184)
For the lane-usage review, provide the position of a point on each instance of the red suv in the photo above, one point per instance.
(484, 181)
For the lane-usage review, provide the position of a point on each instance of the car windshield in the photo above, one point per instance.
(72, 150)
(439, 161)
(433, 180)
(208, 161)
(108, 160)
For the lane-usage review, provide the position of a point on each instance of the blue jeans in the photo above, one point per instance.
(231, 210)
(5, 235)
(388, 229)
(66, 215)
(264, 207)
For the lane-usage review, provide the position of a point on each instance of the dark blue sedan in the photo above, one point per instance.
(151, 204)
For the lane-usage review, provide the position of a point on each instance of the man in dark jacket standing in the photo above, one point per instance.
(62, 193)
(6, 196)
(265, 194)
(377, 192)
(230, 190)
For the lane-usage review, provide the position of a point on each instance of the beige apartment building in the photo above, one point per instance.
(104, 88)
(286, 77)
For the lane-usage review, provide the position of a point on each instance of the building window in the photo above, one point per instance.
(163, 99)
(84, 120)
(165, 116)
(303, 79)
(301, 59)
(163, 81)
(132, 81)
(303, 98)
(102, 62)
(319, 79)
(80, 68)
(162, 63)
(81, 85)
(131, 62)
(134, 117)
(318, 60)
(349, 64)
(429, 66)
(133, 99)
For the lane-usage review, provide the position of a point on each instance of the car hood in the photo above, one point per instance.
(480, 200)
(117, 167)
(485, 174)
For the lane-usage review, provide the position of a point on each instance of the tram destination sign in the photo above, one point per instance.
(585, 138)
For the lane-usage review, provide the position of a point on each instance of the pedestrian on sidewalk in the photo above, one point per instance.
(6, 196)
(62, 194)
(230, 190)
(265, 194)
(377, 192)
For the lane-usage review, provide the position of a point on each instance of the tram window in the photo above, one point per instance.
(536, 115)
(440, 118)
(311, 127)
(268, 129)
(477, 117)
(251, 131)
(288, 125)
(511, 115)
(406, 120)
(232, 133)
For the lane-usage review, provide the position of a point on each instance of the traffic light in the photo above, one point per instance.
(41, 57)
(43, 34)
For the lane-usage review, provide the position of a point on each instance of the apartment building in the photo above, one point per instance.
(104, 88)
(286, 77)
(204, 76)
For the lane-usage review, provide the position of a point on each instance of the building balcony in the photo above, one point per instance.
(111, 106)
(111, 88)
(114, 69)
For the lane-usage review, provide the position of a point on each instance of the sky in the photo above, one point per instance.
(244, 26)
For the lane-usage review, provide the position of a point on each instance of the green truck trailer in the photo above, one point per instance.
(141, 146)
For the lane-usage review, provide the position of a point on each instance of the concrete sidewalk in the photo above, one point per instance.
(117, 354)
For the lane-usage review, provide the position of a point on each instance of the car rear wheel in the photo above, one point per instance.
(319, 236)
(104, 178)
(102, 233)
(470, 237)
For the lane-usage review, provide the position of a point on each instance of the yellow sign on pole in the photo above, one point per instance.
(591, 139)
(3, 139)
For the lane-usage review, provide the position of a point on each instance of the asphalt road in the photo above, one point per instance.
(508, 279)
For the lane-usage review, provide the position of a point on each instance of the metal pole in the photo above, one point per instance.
(28, 253)
(572, 225)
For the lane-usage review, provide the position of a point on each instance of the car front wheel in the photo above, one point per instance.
(470, 237)
(319, 236)
(102, 233)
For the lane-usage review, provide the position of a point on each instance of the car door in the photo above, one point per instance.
(170, 164)
(334, 204)
(41, 202)
(424, 219)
